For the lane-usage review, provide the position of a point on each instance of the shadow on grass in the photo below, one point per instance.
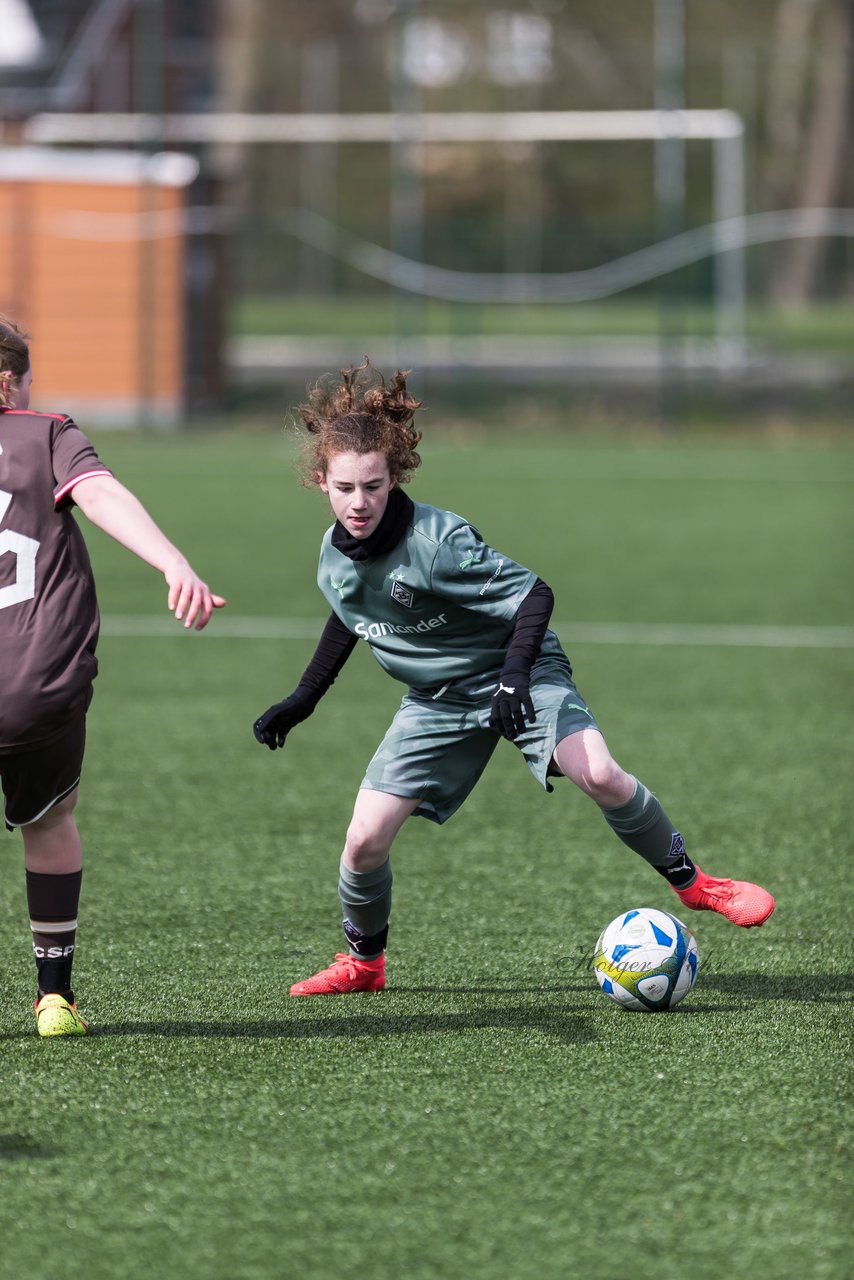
(17, 1146)
(568, 1027)
(541, 989)
(810, 988)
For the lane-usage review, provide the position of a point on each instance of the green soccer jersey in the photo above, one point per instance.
(438, 607)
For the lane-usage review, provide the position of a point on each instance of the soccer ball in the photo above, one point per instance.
(646, 960)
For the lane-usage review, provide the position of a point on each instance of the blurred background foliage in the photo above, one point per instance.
(782, 65)
(279, 281)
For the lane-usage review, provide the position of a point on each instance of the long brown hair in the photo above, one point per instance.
(359, 413)
(14, 352)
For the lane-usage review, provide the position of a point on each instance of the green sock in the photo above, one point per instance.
(366, 900)
(643, 825)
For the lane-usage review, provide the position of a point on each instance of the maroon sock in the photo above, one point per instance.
(52, 903)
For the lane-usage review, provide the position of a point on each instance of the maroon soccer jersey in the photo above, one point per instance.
(48, 610)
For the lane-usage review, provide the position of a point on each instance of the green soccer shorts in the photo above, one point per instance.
(439, 743)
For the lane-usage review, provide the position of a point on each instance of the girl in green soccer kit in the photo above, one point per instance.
(465, 628)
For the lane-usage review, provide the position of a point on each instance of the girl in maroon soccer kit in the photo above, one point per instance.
(48, 634)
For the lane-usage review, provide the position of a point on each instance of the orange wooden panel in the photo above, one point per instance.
(104, 304)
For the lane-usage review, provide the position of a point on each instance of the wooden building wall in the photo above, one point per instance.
(94, 270)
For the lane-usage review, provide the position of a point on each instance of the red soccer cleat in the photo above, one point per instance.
(346, 973)
(742, 903)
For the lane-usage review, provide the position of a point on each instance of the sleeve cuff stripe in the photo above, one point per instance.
(59, 494)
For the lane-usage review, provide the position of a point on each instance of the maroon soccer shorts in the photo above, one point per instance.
(34, 781)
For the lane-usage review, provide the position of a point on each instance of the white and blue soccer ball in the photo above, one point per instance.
(646, 960)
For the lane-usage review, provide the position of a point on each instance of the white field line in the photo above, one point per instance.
(625, 633)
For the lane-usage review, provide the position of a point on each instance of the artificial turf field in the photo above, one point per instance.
(491, 1114)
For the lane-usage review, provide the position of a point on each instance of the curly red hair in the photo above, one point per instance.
(360, 413)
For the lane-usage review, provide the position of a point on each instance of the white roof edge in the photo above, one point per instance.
(22, 43)
(164, 168)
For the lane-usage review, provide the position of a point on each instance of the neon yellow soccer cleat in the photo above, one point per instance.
(56, 1017)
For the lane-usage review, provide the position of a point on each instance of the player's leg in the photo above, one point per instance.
(428, 762)
(40, 789)
(52, 842)
(365, 879)
(637, 817)
(631, 811)
(54, 868)
(364, 887)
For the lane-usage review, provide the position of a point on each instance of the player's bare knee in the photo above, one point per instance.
(365, 847)
(606, 783)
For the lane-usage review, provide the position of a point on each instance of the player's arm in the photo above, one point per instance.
(113, 508)
(511, 702)
(334, 647)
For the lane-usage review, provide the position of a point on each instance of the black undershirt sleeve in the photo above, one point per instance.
(531, 624)
(334, 647)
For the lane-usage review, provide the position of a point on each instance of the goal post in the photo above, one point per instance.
(723, 128)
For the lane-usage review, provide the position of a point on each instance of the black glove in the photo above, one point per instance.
(275, 724)
(511, 703)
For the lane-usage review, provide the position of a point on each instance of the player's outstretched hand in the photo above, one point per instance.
(275, 724)
(190, 599)
(511, 705)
